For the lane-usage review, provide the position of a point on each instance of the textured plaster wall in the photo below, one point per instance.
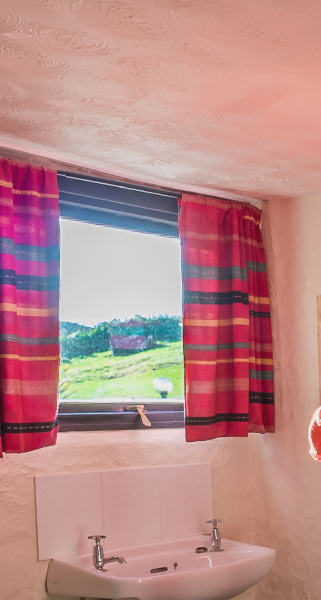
(286, 482)
(219, 96)
(267, 488)
(22, 577)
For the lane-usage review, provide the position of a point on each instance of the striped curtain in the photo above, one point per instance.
(29, 278)
(226, 325)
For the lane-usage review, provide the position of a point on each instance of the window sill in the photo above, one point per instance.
(94, 416)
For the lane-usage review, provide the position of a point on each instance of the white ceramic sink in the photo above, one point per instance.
(206, 576)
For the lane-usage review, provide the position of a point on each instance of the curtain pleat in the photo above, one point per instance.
(29, 294)
(226, 324)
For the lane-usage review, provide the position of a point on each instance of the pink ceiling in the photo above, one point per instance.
(216, 95)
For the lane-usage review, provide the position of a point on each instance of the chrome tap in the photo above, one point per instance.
(216, 535)
(98, 554)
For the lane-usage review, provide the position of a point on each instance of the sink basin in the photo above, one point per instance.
(184, 574)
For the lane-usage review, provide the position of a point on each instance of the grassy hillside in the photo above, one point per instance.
(103, 375)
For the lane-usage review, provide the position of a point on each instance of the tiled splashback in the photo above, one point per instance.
(129, 506)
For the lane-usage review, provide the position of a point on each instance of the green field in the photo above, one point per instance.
(103, 375)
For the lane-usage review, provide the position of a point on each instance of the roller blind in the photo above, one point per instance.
(118, 204)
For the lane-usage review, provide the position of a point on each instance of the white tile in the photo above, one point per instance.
(68, 510)
(186, 500)
(131, 506)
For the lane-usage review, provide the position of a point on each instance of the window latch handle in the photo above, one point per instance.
(144, 418)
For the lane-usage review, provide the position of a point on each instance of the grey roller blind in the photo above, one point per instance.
(118, 204)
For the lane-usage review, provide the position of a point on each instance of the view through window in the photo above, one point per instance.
(120, 315)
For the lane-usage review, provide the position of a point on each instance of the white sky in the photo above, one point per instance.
(111, 273)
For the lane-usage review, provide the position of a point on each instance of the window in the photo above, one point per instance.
(120, 309)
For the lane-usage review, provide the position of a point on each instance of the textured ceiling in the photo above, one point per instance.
(221, 95)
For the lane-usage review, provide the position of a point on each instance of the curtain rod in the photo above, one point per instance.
(45, 160)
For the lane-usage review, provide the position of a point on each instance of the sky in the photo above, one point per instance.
(109, 273)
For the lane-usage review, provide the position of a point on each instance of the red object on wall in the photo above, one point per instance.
(315, 435)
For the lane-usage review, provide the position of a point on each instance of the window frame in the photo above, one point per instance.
(136, 208)
(94, 416)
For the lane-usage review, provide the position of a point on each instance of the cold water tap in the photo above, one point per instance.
(216, 535)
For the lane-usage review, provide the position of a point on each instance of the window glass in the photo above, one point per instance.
(120, 315)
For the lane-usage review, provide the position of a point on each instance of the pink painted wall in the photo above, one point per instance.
(23, 577)
(266, 488)
(286, 482)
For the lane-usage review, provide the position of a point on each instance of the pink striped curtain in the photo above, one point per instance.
(226, 326)
(29, 288)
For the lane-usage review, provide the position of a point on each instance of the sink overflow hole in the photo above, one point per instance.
(159, 570)
(201, 549)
